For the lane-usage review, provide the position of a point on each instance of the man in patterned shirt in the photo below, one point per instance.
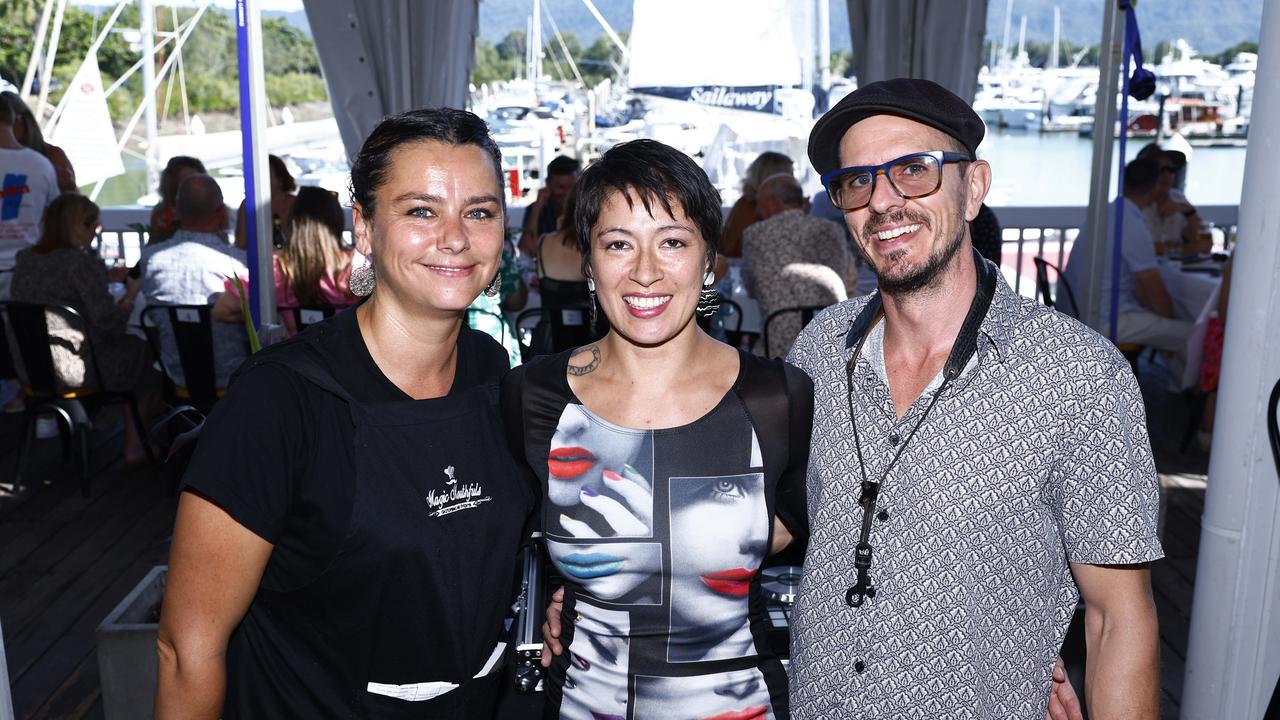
(792, 259)
(977, 459)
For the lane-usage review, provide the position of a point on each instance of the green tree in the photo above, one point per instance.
(842, 63)
(601, 60)
(513, 46)
(1226, 56)
(489, 66)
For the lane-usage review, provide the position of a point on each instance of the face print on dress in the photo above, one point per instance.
(738, 695)
(719, 534)
(622, 573)
(595, 686)
(599, 479)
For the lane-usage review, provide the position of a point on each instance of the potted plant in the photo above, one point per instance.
(126, 642)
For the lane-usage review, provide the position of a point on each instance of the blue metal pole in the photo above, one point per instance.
(246, 145)
(1117, 242)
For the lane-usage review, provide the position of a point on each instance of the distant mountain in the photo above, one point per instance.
(1210, 26)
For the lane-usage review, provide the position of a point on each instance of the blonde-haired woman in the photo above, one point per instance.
(312, 268)
(743, 213)
(27, 130)
(58, 270)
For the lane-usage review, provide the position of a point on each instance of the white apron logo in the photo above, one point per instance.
(457, 497)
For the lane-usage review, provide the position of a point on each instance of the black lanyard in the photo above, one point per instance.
(961, 352)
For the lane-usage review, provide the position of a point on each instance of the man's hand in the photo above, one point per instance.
(551, 629)
(1063, 703)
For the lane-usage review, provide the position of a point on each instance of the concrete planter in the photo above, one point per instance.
(126, 642)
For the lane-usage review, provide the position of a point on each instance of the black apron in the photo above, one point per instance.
(419, 589)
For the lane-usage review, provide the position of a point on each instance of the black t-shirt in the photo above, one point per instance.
(276, 452)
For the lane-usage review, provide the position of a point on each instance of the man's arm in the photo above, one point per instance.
(1152, 293)
(1122, 641)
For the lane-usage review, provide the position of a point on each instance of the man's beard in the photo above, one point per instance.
(914, 279)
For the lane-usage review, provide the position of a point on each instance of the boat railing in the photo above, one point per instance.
(1028, 232)
(1050, 232)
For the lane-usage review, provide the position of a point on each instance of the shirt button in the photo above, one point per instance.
(859, 666)
(882, 515)
(894, 439)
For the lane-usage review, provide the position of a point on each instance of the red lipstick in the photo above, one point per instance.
(567, 463)
(736, 582)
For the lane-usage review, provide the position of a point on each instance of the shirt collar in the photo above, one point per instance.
(998, 326)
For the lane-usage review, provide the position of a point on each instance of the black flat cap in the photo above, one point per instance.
(920, 100)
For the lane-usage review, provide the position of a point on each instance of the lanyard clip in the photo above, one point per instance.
(870, 491)
(862, 589)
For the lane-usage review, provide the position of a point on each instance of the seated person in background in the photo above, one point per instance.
(1173, 222)
(744, 212)
(820, 207)
(786, 236)
(543, 214)
(27, 130)
(164, 216)
(312, 269)
(282, 187)
(57, 270)
(562, 283)
(191, 268)
(1146, 312)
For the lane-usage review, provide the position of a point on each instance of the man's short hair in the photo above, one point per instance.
(198, 197)
(785, 188)
(8, 116)
(563, 165)
(1140, 175)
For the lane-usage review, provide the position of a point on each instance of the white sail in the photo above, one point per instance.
(85, 131)
(724, 53)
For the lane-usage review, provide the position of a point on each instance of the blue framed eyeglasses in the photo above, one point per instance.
(911, 176)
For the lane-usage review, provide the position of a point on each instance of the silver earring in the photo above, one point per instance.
(591, 307)
(708, 299)
(491, 290)
(362, 280)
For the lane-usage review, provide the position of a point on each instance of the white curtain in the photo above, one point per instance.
(382, 57)
(938, 40)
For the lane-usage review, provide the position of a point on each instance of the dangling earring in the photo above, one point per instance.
(491, 290)
(362, 280)
(591, 309)
(708, 299)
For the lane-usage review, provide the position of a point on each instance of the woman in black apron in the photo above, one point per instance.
(346, 542)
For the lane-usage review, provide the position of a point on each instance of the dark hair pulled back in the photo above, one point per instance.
(447, 125)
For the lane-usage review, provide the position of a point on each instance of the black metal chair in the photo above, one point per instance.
(557, 328)
(304, 316)
(731, 315)
(806, 313)
(1044, 293)
(32, 354)
(191, 329)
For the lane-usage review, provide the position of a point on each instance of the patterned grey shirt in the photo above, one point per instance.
(1035, 457)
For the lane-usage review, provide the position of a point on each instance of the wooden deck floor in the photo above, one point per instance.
(65, 561)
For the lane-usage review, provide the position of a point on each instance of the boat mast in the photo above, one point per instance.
(1057, 34)
(1008, 26)
(824, 44)
(150, 126)
(41, 30)
(535, 46)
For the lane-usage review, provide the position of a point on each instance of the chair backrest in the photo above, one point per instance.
(27, 328)
(558, 328)
(307, 315)
(1045, 291)
(191, 328)
(806, 313)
